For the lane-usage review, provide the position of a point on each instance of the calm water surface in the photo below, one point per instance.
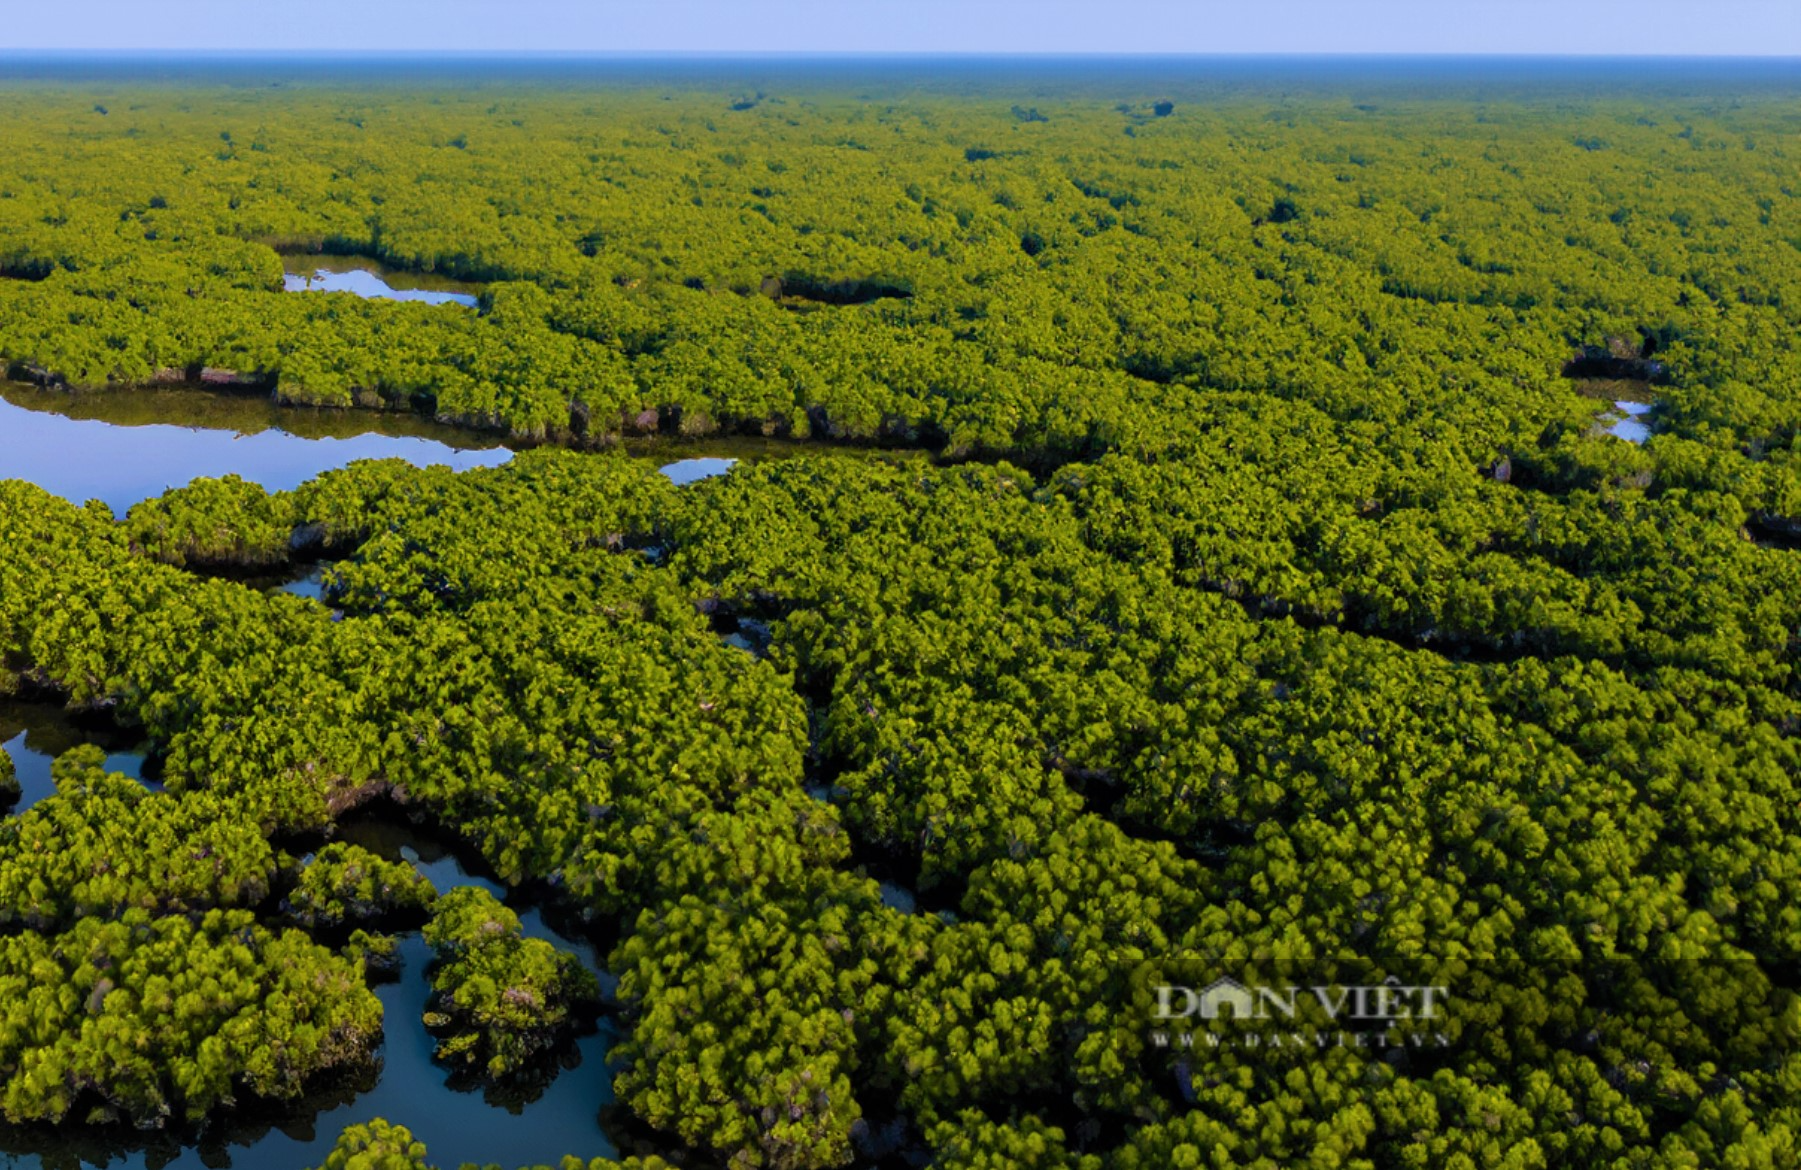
(121, 448)
(123, 460)
(310, 584)
(125, 446)
(1631, 428)
(687, 471)
(367, 278)
(34, 734)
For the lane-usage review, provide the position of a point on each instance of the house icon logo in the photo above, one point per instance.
(1230, 993)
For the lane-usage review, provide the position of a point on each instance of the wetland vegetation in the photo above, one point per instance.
(1242, 586)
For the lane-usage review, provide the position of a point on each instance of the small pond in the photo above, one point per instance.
(686, 471)
(1629, 425)
(750, 635)
(310, 583)
(369, 278)
(898, 897)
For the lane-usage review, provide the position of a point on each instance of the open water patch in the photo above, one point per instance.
(686, 471)
(1629, 423)
(371, 280)
(34, 734)
(124, 463)
(308, 583)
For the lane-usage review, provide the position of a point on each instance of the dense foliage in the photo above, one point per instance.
(135, 993)
(376, 1146)
(500, 1002)
(149, 1017)
(1312, 634)
(213, 523)
(348, 886)
(928, 265)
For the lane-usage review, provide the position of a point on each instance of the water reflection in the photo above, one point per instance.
(394, 840)
(34, 734)
(367, 278)
(408, 1088)
(687, 471)
(899, 897)
(310, 584)
(751, 635)
(1630, 428)
(123, 446)
(122, 463)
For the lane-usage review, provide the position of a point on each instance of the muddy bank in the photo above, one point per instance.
(215, 379)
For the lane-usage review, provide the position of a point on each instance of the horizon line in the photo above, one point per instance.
(897, 54)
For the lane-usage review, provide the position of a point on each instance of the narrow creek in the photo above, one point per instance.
(407, 1087)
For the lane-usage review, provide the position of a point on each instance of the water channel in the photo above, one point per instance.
(122, 447)
(408, 1088)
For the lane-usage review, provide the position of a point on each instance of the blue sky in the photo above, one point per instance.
(1584, 27)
